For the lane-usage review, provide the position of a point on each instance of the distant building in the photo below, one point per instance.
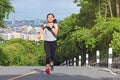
(18, 23)
(24, 32)
(26, 29)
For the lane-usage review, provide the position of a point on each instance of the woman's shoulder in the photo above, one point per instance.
(55, 24)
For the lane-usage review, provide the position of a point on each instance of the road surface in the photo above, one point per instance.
(60, 73)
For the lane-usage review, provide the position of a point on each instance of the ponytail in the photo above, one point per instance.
(54, 21)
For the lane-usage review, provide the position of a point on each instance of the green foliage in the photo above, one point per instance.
(84, 36)
(67, 26)
(103, 32)
(21, 52)
(77, 42)
(87, 15)
(90, 10)
(90, 30)
(5, 8)
(115, 43)
(1, 39)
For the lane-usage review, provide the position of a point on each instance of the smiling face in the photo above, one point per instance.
(50, 18)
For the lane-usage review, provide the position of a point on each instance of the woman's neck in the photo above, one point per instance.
(50, 24)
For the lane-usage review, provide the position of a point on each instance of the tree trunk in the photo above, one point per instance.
(110, 7)
(105, 12)
(117, 8)
(99, 2)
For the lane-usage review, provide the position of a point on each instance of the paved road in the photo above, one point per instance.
(60, 73)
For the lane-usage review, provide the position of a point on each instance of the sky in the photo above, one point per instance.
(38, 9)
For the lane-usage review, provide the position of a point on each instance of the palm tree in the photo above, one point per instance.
(5, 8)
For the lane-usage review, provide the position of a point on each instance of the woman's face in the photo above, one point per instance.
(50, 18)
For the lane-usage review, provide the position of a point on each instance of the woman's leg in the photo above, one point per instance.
(53, 50)
(48, 55)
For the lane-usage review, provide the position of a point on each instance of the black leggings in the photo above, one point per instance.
(50, 48)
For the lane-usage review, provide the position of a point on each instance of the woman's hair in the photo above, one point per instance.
(50, 14)
(54, 21)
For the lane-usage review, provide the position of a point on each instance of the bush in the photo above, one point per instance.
(21, 52)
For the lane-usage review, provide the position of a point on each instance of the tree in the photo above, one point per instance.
(115, 43)
(1, 39)
(73, 40)
(118, 8)
(91, 9)
(90, 30)
(5, 8)
(87, 13)
(110, 8)
(21, 52)
(115, 37)
(67, 26)
(103, 32)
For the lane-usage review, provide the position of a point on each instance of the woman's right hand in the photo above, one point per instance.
(43, 26)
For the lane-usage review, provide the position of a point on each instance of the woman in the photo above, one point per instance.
(50, 42)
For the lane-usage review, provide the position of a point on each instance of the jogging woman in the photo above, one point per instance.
(50, 30)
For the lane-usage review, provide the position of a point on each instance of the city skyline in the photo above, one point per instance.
(38, 9)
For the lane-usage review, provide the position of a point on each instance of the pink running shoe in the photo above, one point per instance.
(47, 70)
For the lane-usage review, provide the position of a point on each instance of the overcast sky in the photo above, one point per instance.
(38, 9)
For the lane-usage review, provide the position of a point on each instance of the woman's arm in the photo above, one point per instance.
(55, 29)
(41, 30)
